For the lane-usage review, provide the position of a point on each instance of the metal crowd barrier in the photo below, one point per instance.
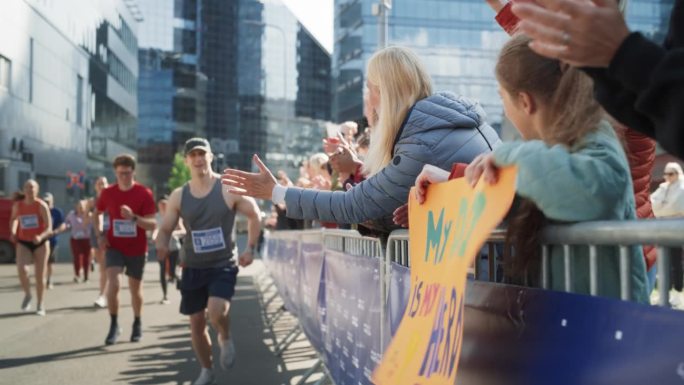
(623, 234)
(394, 256)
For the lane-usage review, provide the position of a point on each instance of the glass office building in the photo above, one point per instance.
(457, 40)
(245, 74)
(170, 87)
(268, 83)
(68, 75)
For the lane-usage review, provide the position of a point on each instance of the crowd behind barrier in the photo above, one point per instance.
(349, 293)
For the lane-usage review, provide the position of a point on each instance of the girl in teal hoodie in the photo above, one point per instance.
(571, 168)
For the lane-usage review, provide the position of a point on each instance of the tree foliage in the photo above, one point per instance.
(180, 174)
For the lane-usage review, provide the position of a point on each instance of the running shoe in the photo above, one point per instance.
(136, 333)
(100, 302)
(227, 354)
(26, 303)
(205, 378)
(113, 335)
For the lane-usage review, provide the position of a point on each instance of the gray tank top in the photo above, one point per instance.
(209, 223)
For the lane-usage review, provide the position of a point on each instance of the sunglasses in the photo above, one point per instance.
(670, 173)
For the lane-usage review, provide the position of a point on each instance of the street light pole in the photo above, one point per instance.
(383, 9)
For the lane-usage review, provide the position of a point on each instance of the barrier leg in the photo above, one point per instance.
(288, 340)
(270, 322)
(311, 371)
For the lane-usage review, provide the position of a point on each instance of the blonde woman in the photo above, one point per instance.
(414, 127)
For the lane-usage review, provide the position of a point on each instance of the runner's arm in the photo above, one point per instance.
(247, 206)
(14, 223)
(169, 221)
(47, 219)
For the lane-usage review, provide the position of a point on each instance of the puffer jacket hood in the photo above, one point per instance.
(443, 109)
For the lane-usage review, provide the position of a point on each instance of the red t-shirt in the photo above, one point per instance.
(124, 235)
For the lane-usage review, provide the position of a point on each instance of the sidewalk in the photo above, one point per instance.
(67, 345)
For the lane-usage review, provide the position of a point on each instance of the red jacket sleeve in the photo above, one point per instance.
(457, 170)
(640, 156)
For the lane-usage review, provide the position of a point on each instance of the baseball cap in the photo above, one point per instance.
(196, 144)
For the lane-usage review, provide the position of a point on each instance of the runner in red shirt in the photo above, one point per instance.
(130, 208)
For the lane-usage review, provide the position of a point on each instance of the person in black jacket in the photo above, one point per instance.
(638, 82)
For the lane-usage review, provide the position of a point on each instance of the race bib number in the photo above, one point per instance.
(124, 228)
(80, 234)
(206, 241)
(29, 221)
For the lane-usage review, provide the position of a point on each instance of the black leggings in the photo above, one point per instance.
(173, 258)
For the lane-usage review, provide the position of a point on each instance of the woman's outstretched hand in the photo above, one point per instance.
(258, 185)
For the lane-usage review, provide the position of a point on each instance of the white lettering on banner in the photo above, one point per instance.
(29, 222)
(367, 329)
(207, 241)
(367, 372)
(375, 356)
(355, 362)
(355, 321)
(361, 305)
(350, 337)
(124, 228)
(345, 351)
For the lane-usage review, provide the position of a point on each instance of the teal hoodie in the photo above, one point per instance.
(589, 182)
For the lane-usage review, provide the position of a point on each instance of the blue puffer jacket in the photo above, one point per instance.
(440, 130)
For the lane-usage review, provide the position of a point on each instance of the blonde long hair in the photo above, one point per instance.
(402, 81)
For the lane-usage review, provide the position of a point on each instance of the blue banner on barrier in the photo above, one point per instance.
(287, 273)
(352, 341)
(399, 291)
(312, 292)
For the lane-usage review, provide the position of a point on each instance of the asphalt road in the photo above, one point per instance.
(67, 345)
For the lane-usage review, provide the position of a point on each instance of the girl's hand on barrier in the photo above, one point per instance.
(484, 166)
(430, 174)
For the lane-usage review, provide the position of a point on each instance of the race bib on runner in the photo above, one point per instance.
(29, 221)
(206, 241)
(124, 228)
(80, 234)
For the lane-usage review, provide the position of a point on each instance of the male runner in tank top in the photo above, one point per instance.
(209, 268)
(130, 208)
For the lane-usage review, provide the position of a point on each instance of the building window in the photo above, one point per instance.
(183, 109)
(5, 73)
